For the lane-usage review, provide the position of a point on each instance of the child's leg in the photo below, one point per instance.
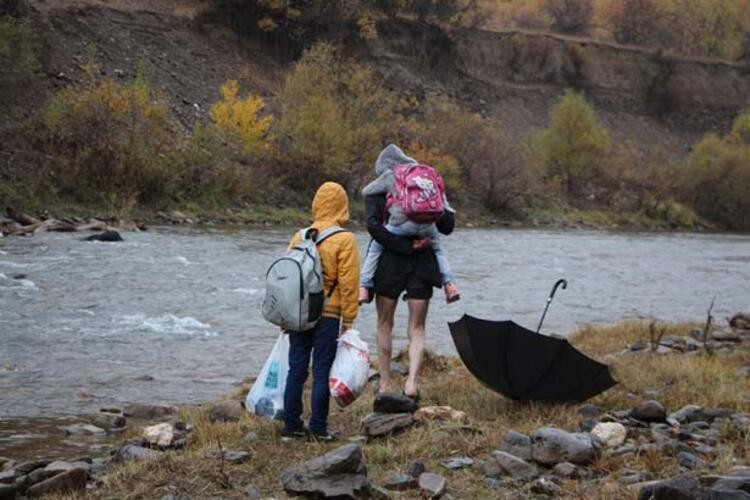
(446, 273)
(367, 273)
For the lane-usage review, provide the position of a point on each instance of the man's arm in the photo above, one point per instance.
(374, 210)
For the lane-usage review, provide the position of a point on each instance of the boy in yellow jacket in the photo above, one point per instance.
(340, 260)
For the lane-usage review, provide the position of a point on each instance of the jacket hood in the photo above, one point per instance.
(330, 206)
(392, 156)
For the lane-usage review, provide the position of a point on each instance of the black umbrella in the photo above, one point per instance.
(527, 366)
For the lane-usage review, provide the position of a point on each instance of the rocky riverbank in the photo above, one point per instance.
(676, 426)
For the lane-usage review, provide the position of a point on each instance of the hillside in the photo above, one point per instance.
(660, 104)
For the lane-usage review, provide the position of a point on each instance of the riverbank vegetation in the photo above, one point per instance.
(115, 145)
(676, 379)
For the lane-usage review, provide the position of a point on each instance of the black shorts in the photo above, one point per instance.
(414, 287)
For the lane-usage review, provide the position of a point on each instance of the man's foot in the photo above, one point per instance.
(300, 433)
(364, 295)
(451, 293)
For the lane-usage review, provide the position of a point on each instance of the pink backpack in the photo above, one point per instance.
(419, 192)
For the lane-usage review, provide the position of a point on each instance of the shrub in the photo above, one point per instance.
(17, 59)
(637, 22)
(570, 16)
(573, 146)
(711, 27)
(239, 118)
(717, 176)
(448, 166)
(110, 140)
(335, 119)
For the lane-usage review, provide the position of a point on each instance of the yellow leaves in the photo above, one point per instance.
(367, 28)
(447, 165)
(240, 118)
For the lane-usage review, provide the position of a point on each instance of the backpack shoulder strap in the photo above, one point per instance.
(324, 235)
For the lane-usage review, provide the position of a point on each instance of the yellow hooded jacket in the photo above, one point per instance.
(338, 253)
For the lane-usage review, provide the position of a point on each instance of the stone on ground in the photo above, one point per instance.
(439, 414)
(389, 402)
(737, 480)
(650, 411)
(457, 463)
(233, 457)
(516, 444)
(59, 466)
(551, 446)
(401, 482)
(159, 434)
(107, 420)
(82, 430)
(687, 414)
(684, 487)
(66, 482)
(514, 466)
(566, 470)
(433, 485)
(134, 453)
(341, 472)
(227, 411)
(610, 434)
(382, 424)
(416, 468)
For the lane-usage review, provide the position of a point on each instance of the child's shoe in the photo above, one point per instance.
(451, 293)
(364, 295)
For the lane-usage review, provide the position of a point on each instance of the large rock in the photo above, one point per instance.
(59, 466)
(610, 434)
(389, 402)
(433, 485)
(382, 424)
(160, 435)
(736, 480)
(401, 482)
(147, 411)
(227, 411)
(650, 411)
(516, 444)
(134, 453)
(551, 446)
(26, 467)
(514, 466)
(66, 482)
(684, 487)
(339, 473)
(428, 414)
(109, 236)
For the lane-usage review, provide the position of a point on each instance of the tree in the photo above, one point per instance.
(570, 16)
(240, 118)
(637, 22)
(575, 144)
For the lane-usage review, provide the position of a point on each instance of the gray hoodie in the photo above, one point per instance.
(388, 159)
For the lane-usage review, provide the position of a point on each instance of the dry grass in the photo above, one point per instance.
(678, 380)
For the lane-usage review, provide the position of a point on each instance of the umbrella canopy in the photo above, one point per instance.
(527, 366)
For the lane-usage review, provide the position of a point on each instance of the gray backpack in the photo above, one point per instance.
(294, 284)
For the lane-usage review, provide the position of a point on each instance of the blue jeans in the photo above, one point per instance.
(408, 228)
(321, 343)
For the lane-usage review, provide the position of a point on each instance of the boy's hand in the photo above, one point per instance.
(422, 243)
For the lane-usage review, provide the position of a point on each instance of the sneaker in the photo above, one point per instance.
(364, 295)
(328, 437)
(451, 293)
(300, 433)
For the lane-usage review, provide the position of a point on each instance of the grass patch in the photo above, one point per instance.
(710, 381)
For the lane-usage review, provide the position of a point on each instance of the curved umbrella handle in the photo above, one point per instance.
(559, 282)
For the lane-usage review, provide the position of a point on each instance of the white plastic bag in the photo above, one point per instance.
(348, 376)
(266, 397)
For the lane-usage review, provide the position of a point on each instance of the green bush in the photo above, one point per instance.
(575, 147)
(716, 181)
(17, 59)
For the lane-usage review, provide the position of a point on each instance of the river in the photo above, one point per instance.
(173, 314)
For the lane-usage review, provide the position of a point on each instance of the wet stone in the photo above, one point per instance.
(433, 485)
(393, 403)
(401, 482)
(416, 468)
